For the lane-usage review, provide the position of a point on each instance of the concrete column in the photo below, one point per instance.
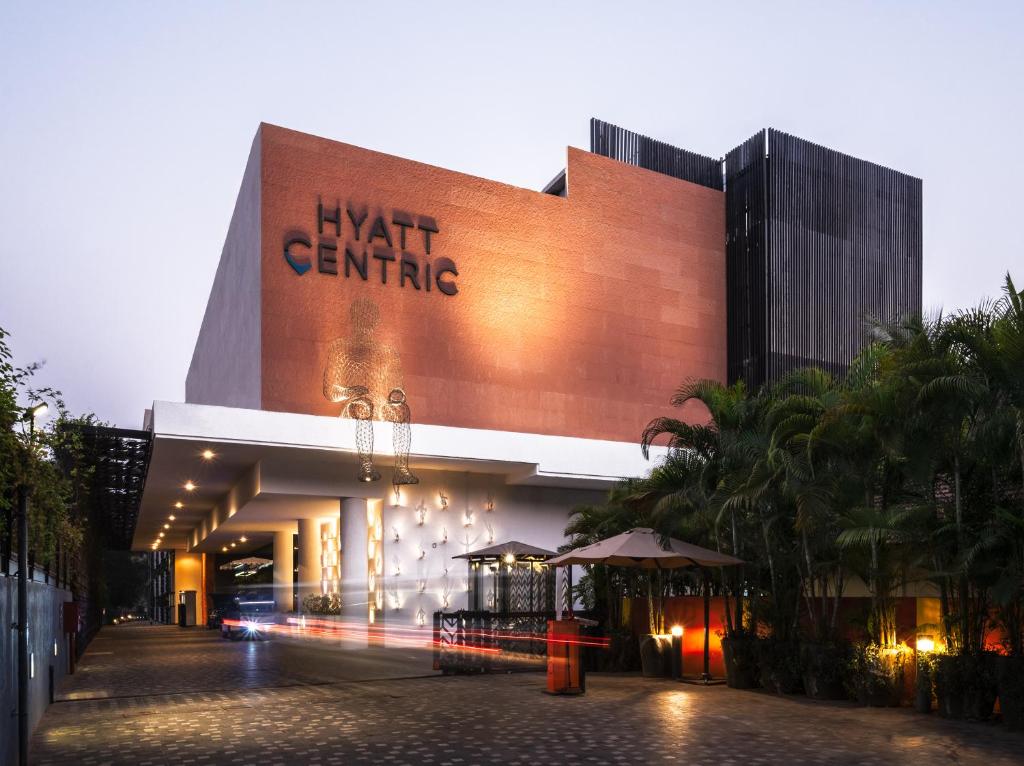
(309, 558)
(284, 565)
(352, 539)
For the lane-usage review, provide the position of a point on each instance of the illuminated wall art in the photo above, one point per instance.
(375, 559)
(329, 559)
(364, 375)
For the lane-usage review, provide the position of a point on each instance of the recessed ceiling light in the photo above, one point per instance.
(171, 517)
(225, 549)
(167, 526)
(242, 539)
(179, 504)
(232, 545)
(189, 486)
(160, 535)
(208, 454)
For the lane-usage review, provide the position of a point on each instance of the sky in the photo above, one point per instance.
(125, 128)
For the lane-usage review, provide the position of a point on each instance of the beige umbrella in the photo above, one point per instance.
(642, 547)
(646, 549)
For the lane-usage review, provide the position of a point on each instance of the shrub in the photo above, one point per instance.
(875, 674)
(317, 603)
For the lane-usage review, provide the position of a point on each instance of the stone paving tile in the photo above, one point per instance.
(459, 721)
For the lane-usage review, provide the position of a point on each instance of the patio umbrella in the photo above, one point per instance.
(645, 549)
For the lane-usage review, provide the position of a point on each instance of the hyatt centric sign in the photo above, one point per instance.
(352, 244)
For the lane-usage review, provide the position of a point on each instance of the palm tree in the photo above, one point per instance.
(708, 475)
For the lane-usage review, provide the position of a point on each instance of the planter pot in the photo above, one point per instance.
(823, 669)
(923, 689)
(965, 686)
(655, 658)
(981, 687)
(887, 694)
(623, 654)
(740, 659)
(1011, 692)
(779, 666)
(949, 689)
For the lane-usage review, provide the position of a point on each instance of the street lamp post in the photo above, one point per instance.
(23, 660)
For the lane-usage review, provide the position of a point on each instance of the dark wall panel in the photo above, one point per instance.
(626, 146)
(829, 240)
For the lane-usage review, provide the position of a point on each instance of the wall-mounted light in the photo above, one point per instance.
(397, 490)
(394, 530)
(490, 532)
(421, 513)
(467, 518)
(421, 618)
(489, 506)
(444, 499)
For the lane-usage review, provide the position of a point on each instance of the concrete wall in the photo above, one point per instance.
(45, 626)
(225, 366)
(422, 556)
(575, 316)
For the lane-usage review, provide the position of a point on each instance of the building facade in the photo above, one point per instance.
(506, 347)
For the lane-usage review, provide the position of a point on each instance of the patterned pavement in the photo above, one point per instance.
(157, 695)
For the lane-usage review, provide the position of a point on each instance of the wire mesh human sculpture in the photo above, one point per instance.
(364, 375)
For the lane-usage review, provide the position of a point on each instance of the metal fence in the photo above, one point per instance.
(483, 642)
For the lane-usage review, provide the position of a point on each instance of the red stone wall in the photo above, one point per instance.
(574, 316)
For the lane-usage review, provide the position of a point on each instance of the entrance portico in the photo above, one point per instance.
(236, 481)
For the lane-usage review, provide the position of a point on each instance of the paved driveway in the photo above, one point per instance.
(163, 695)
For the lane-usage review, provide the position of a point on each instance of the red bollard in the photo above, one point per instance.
(565, 669)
